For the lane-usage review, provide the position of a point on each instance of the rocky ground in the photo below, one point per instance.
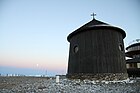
(49, 85)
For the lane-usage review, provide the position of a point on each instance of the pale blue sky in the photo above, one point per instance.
(35, 31)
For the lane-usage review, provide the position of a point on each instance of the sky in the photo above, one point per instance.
(33, 33)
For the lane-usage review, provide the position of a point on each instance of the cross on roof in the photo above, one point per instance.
(93, 14)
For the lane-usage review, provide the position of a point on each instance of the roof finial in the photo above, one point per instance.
(93, 14)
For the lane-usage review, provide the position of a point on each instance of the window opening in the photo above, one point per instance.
(76, 49)
(121, 47)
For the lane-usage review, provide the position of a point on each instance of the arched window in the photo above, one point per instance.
(76, 48)
(121, 47)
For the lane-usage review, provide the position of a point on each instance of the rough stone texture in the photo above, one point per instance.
(102, 76)
(49, 85)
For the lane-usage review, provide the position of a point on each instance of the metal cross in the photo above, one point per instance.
(93, 15)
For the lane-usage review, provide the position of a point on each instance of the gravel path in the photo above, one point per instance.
(48, 85)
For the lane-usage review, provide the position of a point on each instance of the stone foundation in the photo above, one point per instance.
(99, 76)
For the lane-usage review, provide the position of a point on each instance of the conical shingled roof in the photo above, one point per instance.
(92, 23)
(95, 24)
